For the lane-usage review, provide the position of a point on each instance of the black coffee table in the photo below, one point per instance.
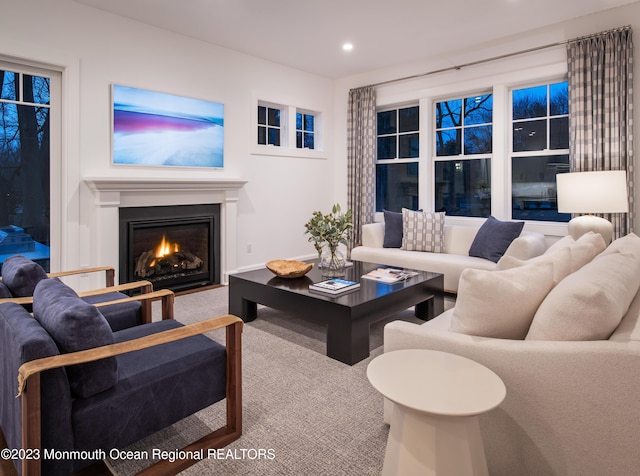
(347, 316)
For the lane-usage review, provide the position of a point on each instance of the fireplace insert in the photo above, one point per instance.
(174, 247)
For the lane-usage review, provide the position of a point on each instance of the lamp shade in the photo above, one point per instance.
(593, 192)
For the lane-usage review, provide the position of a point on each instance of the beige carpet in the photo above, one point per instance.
(303, 413)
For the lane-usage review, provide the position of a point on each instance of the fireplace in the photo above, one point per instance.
(173, 247)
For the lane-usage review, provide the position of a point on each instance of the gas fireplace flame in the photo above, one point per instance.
(167, 259)
(166, 248)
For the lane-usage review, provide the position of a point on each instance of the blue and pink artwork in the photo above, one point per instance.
(155, 129)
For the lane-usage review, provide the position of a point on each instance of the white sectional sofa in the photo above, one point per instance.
(454, 259)
(572, 404)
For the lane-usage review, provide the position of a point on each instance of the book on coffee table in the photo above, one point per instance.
(334, 286)
(389, 275)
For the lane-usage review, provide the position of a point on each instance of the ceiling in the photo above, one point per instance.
(308, 35)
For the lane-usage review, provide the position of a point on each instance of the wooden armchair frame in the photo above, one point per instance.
(109, 273)
(29, 383)
(142, 286)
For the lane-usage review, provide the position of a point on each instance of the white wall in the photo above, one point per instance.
(539, 65)
(95, 49)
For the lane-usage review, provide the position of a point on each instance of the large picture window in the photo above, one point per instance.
(463, 147)
(539, 150)
(398, 152)
(24, 166)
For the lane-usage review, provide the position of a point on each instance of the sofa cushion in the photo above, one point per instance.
(528, 245)
(494, 237)
(392, 229)
(566, 260)
(119, 316)
(159, 385)
(629, 327)
(422, 231)
(594, 239)
(76, 325)
(501, 304)
(21, 275)
(590, 303)
(561, 261)
(4, 291)
(563, 242)
(627, 244)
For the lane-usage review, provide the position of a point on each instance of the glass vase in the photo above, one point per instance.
(332, 262)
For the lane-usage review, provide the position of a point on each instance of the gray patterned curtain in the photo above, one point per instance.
(361, 157)
(600, 110)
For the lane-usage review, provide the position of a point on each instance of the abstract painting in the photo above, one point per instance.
(158, 129)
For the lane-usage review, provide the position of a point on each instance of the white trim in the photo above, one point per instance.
(112, 193)
(66, 247)
(287, 147)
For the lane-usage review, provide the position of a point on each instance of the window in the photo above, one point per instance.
(540, 150)
(269, 128)
(398, 152)
(463, 147)
(25, 163)
(286, 131)
(305, 130)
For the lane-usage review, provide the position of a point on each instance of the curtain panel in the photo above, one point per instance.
(600, 77)
(361, 159)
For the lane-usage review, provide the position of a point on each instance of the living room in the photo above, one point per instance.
(266, 195)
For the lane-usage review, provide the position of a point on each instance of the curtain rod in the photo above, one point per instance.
(495, 58)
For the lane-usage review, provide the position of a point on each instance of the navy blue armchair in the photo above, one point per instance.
(83, 386)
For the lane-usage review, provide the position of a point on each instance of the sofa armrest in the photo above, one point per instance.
(373, 235)
(528, 245)
(571, 407)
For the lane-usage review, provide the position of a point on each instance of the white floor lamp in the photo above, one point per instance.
(592, 192)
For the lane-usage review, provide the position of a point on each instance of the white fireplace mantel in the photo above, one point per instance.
(112, 193)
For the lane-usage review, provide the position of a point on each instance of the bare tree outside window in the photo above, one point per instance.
(24, 165)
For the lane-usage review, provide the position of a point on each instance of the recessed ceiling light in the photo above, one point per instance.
(347, 46)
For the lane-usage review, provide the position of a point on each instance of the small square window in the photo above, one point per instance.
(305, 131)
(269, 130)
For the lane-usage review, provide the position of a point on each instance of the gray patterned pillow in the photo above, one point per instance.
(422, 231)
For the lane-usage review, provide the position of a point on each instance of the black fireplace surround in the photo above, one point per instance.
(175, 247)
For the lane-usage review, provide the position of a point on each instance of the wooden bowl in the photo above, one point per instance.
(286, 268)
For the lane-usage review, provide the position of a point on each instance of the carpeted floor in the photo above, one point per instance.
(303, 413)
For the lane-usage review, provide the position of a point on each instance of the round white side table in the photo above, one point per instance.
(438, 397)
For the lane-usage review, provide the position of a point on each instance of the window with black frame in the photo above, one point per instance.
(539, 150)
(398, 153)
(25, 107)
(462, 162)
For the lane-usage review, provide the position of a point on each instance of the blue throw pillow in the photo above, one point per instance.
(76, 325)
(392, 229)
(21, 275)
(494, 237)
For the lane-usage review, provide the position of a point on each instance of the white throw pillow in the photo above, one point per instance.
(422, 231)
(594, 239)
(501, 304)
(590, 303)
(561, 243)
(626, 244)
(560, 259)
